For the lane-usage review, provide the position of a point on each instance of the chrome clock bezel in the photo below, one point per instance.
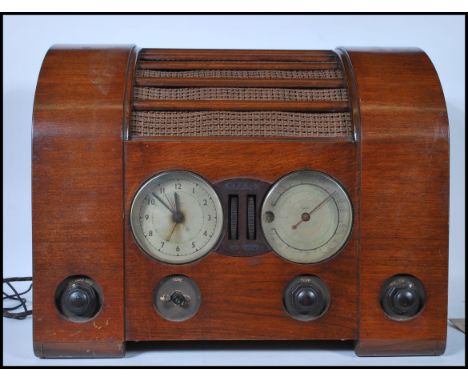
(135, 225)
(279, 187)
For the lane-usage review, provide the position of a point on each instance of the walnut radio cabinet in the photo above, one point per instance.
(239, 195)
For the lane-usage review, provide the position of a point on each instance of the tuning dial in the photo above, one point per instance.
(306, 298)
(402, 297)
(78, 299)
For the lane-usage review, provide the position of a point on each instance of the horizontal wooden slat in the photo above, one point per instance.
(177, 105)
(323, 52)
(237, 55)
(236, 65)
(239, 83)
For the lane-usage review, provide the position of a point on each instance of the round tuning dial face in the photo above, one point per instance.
(306, 217)
(176, 217)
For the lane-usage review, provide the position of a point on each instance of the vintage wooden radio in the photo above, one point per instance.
(239, 195)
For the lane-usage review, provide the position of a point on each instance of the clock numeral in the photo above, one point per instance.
(177, 249)
(193, 244)
(162, 244)
(146, 216)
(205, 233)
(205, 202)
(150, 233)
(178, 186)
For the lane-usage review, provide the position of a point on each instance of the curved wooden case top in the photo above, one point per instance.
(77, 194)
(403, 142)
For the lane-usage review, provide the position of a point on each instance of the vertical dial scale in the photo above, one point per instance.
(306, 217)
(176, 217)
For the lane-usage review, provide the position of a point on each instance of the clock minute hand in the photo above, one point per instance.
(177, 214)
(176, 202)
(162, 202)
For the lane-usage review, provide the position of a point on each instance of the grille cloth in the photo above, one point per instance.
(260, 74)
(240, 94)
(248, 124)
(235, 123)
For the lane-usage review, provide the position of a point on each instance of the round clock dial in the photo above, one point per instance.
(306, 217)
(176, 217)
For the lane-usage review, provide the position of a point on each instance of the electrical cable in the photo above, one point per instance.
(8, 312)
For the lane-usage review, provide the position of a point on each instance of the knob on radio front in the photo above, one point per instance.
(78, 299)
(306, 298)
(177, 298)
(402, 297)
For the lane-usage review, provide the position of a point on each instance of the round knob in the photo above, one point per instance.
(78, 300)
(402, 297)
(177, 298)
(306, 298)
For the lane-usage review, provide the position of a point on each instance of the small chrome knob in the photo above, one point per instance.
(177, 298)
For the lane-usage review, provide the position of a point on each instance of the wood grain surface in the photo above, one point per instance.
(77, 195)
(404, 195)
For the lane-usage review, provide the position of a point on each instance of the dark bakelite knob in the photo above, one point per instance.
(402, 297)
(306, 298)
(78, 299)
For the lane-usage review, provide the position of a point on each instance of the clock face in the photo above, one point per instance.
(306, 217)
(176, 217)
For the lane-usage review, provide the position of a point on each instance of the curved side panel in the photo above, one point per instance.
(404, 179)
(77, 194)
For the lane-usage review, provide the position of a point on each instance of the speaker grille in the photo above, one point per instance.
(246, 124)
(240, 93)
(257, 74)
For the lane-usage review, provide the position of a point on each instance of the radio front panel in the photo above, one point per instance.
(242, 296)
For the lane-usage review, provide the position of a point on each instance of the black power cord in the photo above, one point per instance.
(9, 311)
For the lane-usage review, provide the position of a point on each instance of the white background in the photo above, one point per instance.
(26, 40)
